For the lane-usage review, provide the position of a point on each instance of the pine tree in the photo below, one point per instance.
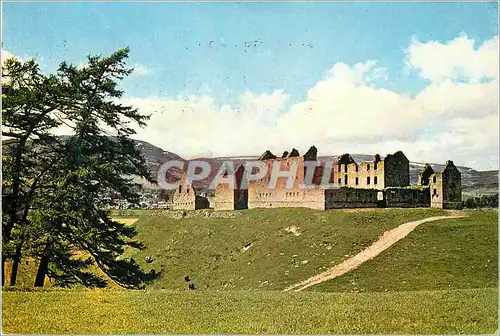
(100, 157)
(58, 218)
(29, 100)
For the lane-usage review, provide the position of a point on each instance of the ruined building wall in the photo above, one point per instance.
(367, 175)
(425, 174)
(350, 198)
(407, 197)
(452, 188)
(446, 188)
(393, 171)
(278, 198)
(228, 199)
(261, 196)
(436, 190)
(354, 185)
(185, 198)
(224, 197)
(396, 170)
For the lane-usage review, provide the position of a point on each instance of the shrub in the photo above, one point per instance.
(483, 201)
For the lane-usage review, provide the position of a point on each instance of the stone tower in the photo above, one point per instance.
(446, 188)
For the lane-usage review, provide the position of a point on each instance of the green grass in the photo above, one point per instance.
(453, 253)
(209, 250)
(145, 312)
(130, 212)
(442, 278)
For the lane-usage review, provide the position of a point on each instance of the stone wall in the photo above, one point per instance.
(185, 198)
(436, 190)
(261, 196)
(350, 198)
(425, 174)
(393, 171)
(452, 187)
(307, 198)
(446, 188)
(359, 185)
(228, 199)
(396, 170)
(224, 198)
(407, 197)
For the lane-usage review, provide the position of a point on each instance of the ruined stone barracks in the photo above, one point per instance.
(377, 183)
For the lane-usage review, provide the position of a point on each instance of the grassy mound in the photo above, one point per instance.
(260, 249)
(197, 312)
(454, 253)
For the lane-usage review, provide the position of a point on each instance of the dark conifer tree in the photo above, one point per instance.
(64, 225)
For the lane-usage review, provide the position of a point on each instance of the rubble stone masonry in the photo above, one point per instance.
(367, 184)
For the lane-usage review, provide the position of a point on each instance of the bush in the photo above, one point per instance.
(483, 201)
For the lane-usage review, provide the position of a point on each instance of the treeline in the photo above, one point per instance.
(52, 185)
(483, 201)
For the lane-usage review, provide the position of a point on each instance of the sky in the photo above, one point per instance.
(225, 79)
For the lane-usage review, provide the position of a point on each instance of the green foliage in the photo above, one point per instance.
(472, 311)
(53, 185)
(483, 201)
(413, 187)
(358, 189)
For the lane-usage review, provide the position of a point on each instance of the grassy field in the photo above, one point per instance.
(441, 278)
(107, 311)
(454, 253)
(254, 250)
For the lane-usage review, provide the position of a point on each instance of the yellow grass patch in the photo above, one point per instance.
(126, 221)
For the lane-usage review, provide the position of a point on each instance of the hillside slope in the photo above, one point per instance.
(260, 249)
(456, 253)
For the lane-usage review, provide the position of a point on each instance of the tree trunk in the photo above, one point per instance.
(15, 263)
(3, 271)
(13, 271)
(42, 268)
(16, 182)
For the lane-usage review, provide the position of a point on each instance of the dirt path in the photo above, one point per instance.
(385, 241)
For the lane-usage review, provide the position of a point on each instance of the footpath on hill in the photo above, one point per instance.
(387, 239)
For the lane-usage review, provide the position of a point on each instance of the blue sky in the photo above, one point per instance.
(299, 40)
(226, 49)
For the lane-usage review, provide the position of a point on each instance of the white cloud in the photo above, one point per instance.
(455, 59)
(196, 126)
(347, 112)
(264, 107)
(360, 73)
(451, 99)
(141, 70)
(346, 105)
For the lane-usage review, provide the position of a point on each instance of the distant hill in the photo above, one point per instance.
(473, 181)
(155, 157)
